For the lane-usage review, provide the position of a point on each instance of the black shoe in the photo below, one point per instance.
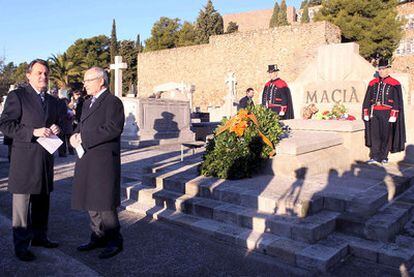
(44, 243)
(110, 251)
(25, 256)
(91, 246)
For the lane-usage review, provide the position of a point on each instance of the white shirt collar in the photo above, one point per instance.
(38, 92)
(99, 93)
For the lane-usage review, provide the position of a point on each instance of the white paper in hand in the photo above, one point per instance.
(51, 144)
(80, 151)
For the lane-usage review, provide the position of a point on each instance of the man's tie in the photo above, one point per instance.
(42, 99)
(92, 101)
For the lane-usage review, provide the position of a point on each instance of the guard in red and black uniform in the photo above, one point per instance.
(276, 95)
(383, 114)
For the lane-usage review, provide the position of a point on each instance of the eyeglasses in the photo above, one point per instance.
(92, 79)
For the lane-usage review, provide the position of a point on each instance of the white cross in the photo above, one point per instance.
(117, 67)
(231, 82)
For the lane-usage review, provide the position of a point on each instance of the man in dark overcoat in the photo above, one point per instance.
(96, 187)
(30, 113)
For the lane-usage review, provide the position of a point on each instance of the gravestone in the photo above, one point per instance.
(156, 121)
(176, 91)
(229, 106)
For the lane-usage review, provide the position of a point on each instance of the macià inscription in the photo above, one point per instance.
(345, 96)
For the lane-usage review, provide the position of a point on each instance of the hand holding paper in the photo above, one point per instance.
(50, 143)
(75, 141)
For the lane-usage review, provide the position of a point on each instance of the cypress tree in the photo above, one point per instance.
(283, 14)
(274, 20)
(113, 49)
(305, 15)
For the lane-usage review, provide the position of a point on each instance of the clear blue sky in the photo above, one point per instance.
(39, 28)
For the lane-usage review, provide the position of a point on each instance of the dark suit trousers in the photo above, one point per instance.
(380, 135)
(105, 226)
(30, 219)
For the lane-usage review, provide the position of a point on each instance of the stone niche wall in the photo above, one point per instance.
(247, 54)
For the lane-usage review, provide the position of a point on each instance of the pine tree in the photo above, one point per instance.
(274, 21)
(313, 3)
(209, 22)
(305, 15)
(232, 27)
(113, 49)
(186, 35)
(164, 34)
(372, 24)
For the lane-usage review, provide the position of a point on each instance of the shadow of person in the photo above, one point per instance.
(408, 155)
(166, 127)
(292, 195)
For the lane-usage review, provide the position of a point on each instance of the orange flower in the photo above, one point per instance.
(239, 128)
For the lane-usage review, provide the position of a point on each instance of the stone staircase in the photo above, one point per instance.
(312, 223)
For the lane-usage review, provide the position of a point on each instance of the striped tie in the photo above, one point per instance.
(42, 99)
(92, 101)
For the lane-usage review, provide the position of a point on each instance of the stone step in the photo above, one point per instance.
(388, 222)
(317, 257)
(397, 255)
(174, 164)
(310, 229)
(360, 192)
(247, 193)
(385, 224)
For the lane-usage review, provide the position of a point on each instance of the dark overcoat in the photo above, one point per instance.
(97, 174)
(393, 98)
(31, 166)
(276, 96)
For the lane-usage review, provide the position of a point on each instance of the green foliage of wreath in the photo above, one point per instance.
(231, 157)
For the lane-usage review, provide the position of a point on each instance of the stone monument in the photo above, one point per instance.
(117, 67)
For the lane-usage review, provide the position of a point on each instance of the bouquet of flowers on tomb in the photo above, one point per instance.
(338, 112)
(242, 143)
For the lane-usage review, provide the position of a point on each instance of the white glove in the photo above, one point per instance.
(281, 113)
(392, 119)
(366, 118)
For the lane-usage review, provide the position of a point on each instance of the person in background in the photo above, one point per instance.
(247, 100)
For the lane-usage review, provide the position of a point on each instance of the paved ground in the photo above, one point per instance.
(151, 248)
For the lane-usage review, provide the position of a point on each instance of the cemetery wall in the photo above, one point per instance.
(247, 54)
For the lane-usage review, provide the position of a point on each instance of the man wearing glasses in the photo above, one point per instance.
(96, 187)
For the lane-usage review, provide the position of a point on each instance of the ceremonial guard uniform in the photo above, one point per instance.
(383, 114)
(276, 95)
